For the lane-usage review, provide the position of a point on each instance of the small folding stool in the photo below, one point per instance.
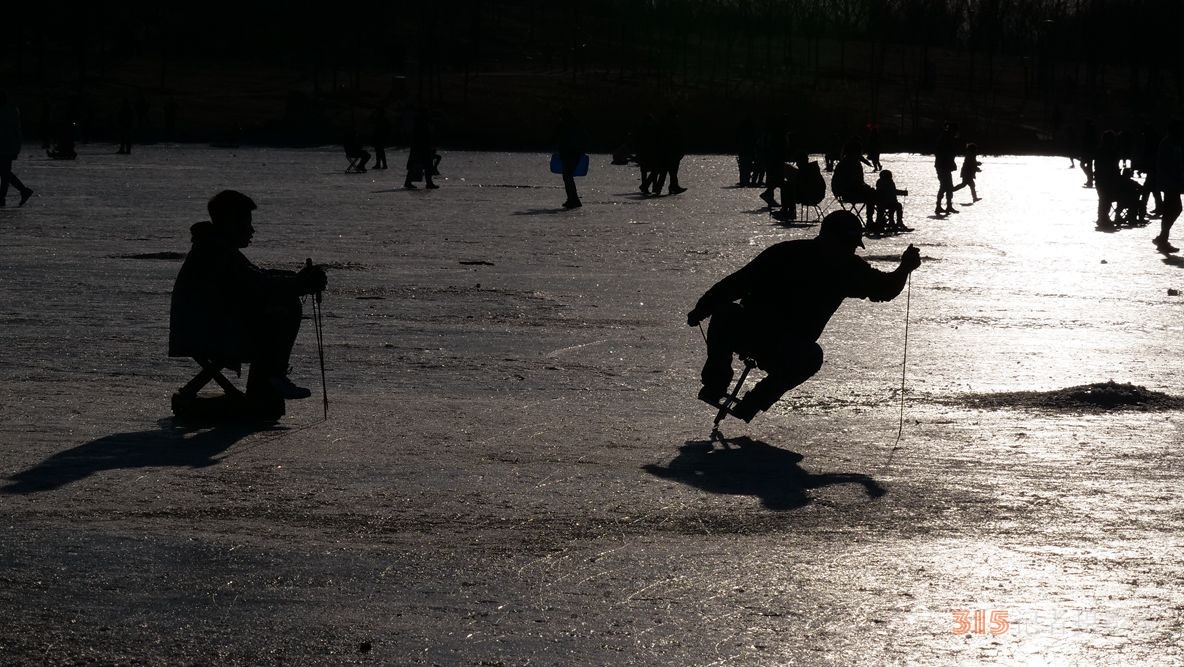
(730, 401)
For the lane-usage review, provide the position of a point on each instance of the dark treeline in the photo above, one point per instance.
(1015, 70)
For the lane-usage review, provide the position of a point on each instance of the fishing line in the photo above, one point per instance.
(903, 366)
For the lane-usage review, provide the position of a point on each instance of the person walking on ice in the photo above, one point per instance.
(786, 296)
(10, 147)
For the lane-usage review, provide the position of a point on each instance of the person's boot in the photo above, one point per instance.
(951, 209)
(677, 190)
(744, 409)
(408, 185)
(25, 196)
(286, 389)
(713, 396)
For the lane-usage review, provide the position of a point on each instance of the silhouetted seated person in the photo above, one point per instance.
(64, 148)
(786, 296)
(848, 185)
(354, 151)
(1128, 199)
(227, 311)
(891, 212)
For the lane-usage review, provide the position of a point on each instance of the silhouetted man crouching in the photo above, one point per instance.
(229, 311)
(786, 296)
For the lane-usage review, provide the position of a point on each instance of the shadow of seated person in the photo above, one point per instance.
(171, 446)
(753, 468)
(226, 311)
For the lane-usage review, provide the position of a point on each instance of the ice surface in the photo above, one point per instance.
(515, 469)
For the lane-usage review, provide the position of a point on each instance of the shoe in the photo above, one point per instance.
(939, 211)
(25, 196)
(432, 186)
(769, 199)
(674, 190)
(285, 388)
(744, 410)
(951, 209)
(643, 190)
(905, 229)
(572, 204)
(410, 186)
(711, 395)
(1162, 244)
(978, 199)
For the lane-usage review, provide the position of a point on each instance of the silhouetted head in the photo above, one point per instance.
(230, 211)
(843, 229)
(886, 174)
(853, 148)
(972, 148)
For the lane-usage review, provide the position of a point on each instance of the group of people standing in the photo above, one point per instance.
(1110, 162)
(422, 159)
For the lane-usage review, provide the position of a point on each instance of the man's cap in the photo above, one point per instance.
(842, 225)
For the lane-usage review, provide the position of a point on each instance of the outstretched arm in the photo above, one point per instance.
(881, 286)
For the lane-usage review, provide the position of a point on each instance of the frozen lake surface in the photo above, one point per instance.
(515, 469)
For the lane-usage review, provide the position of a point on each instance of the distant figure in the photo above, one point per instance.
(970, 169)
(1107, 172)
(746, 138)
(64, 148)
(833, 152)
(774, 153)
(848, 185)
(1145, 162)
(671, 150)
(10, 148)
(229, 311)
(945, 165)
(872, 148)
(890, 208)
(382, 134)
(779, 327)
(1087, 143)
(569, 143)
(421, 162)
(649, 158)
(1128, 199)
(354, 150)
(623, 153)
(126, 123)
(1169, 169)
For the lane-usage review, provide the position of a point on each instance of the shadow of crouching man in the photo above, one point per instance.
(171, 445)
(753, 468)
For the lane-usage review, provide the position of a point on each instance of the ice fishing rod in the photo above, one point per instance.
(317, 325)
(904, 364)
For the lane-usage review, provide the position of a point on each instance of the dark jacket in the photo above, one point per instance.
(218, 298)
(792, 289)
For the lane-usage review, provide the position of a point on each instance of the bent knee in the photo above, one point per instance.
(813, 357)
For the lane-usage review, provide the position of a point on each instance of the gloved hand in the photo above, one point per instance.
(694, 318)
(911, 258)
(312, 279)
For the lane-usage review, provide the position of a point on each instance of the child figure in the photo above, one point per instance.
(891, 210)
(970, 167)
